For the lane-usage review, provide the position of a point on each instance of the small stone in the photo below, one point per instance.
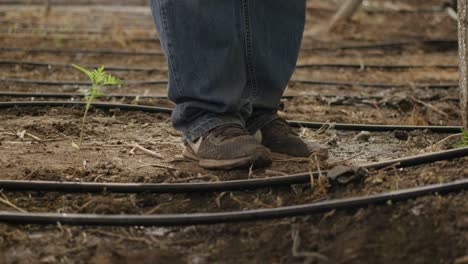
(404, 104)
(363, 136)
(417, 210)
(401, 134)
(345, 174)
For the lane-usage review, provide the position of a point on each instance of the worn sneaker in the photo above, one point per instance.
(279, 137)
(227, 147)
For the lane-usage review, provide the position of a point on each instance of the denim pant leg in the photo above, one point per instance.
(205, 49)
(276, 28)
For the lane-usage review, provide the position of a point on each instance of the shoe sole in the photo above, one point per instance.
(259, 159)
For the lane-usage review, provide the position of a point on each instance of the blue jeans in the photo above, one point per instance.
(227, 59)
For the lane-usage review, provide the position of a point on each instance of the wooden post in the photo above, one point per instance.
(463, 55)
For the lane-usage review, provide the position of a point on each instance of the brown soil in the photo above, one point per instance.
(35, 143)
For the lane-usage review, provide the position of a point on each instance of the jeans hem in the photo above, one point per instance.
(260, 121)
(208, 124)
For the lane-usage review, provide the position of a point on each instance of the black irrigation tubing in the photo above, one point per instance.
(378, 85)
(164, 97)
(160, 53)
(125, 4)
(302, 81)
(424, 9)
(235, 185)
(386, 44)
(376, 128)
(77, 83)
(372, 65)
(85, 51)
(51, 31)
(78, 37)
(294, 123)
(134, 96)
(300, 65)
(128, 107)
(236, 216)
(64, 65)
(75, 95)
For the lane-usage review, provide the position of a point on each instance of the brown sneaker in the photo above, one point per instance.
(227, 147)
(279, 137)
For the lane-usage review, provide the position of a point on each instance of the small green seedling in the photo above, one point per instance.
(99, 77)
(464, 140)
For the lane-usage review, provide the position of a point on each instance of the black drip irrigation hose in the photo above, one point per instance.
(229, 217)
(134, 96)
(373, 65)
(75, 37)
(387, 44)
(137, 96)
(302, 81)
(107, 106)
(85, 51)
(378, 85)
(75, 95)
(64, 65)
(294, 123)
(77, 83)
(88, 3)
(300, 65)
(384, 44)
(235, 185)
(51, 32)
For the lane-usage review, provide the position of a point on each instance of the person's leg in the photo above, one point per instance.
(276, 29)
(205, 48)
(276, 34)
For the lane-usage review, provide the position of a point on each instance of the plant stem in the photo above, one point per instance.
(88, 105)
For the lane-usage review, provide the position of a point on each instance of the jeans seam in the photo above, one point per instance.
(251, 74)
(170, 57)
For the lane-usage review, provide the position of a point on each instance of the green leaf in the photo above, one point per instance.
(88, 73)
(85, 92)
(96, 93)
(464, 137)
(111, 80)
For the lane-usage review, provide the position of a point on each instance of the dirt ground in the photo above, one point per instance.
(35, 144)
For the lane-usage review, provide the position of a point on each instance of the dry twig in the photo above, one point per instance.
(5, 201)
(152, 153)
(296, 245)
(435, 109)
(448, 138)
(157, 165)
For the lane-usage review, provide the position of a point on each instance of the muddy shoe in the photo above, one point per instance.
(227, 147)
(279, 137)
